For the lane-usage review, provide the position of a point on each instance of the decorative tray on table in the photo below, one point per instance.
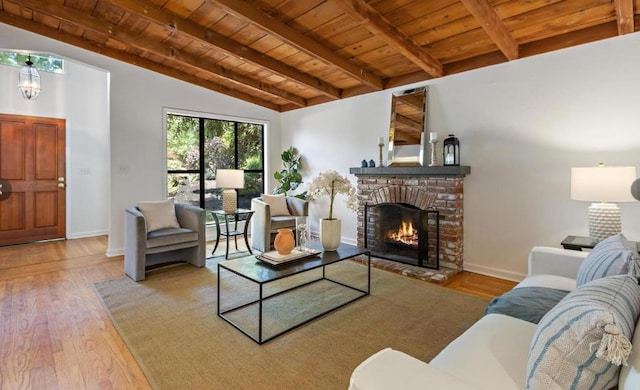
(274, 258)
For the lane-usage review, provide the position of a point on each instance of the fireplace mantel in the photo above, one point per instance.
(448, 171)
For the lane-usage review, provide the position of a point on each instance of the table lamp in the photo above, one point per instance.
(229, 179)
(603, 185)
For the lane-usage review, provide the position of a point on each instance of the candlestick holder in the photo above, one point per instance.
(380, 146)
(434, 156)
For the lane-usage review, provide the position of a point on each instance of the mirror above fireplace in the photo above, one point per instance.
(407, 127)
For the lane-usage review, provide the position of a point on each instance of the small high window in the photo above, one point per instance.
(41, 62)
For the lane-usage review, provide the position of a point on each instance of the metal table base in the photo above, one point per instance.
(260, 338)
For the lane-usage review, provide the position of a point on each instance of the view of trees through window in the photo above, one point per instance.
(197, 147)
(44, 63)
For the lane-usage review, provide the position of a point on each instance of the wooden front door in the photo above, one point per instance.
(32, 179)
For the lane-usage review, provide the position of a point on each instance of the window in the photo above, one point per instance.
(198, 146)
(41, 62)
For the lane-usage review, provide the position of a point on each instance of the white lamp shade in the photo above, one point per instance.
(602, 184)
(230, 178)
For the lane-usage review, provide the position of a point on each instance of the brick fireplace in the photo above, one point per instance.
(438, 189)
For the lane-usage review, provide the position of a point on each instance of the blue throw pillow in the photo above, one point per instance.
(612, 256)
(582, 342)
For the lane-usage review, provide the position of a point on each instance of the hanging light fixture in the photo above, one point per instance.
(29, 81)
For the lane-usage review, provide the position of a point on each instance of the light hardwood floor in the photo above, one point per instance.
(54, 332)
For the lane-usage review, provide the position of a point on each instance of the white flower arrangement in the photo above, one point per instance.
(331, 183)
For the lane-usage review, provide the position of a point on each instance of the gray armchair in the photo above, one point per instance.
(264, 226)
(143, 250)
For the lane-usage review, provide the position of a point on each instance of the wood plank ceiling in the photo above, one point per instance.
(288, 54)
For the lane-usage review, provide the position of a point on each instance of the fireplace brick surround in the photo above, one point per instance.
(414, 186)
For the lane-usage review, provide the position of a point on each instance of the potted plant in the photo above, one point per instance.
(331, 183)
(289, 178)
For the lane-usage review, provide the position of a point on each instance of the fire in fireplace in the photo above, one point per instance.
(404, 233)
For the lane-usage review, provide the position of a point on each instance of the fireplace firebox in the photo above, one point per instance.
(403, 233)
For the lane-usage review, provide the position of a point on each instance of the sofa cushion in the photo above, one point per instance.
(280, 222)
(491, 354)
(166, 237)
(566, 349)
(159, 214)
(527, 303)
(277, 204)
(611, 256)
(630, 374)
(549, 281)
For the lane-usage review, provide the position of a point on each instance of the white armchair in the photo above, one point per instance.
(265, 225)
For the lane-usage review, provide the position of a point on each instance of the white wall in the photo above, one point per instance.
(86, 111)
(136, 137)
(522, 126)
(88, 186)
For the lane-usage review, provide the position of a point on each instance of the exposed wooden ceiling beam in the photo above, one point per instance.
(484, 13)
(153, 13)
(405, 79)
(572, 38)
(165, 51)
(251, 14)
(70, 39)
(624, 14)
(373, 21)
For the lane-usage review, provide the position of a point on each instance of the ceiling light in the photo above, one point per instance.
(29, 81)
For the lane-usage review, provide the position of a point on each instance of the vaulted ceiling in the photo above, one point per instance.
(288, 54)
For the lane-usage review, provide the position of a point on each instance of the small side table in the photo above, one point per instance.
(578, 243)
(232, 232)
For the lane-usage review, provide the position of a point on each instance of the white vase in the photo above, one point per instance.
(330, 234)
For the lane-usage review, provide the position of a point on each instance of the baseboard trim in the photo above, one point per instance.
(87, 234)
(115, 252)
(494, 272)
(350, 241)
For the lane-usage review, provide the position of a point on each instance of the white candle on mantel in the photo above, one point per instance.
(380, 140)
(433, 137)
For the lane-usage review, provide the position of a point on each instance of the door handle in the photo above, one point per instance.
(61, 179)
(61, 185)
(5, 189)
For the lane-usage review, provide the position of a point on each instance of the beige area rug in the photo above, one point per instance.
(170, 324)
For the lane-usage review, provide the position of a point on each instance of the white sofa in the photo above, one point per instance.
(491, 354)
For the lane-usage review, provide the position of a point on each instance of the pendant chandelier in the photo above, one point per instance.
(29, 81)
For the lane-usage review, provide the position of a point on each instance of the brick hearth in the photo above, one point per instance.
(427, 274)
(413, 186)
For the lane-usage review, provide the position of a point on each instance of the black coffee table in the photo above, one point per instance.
(256, 273)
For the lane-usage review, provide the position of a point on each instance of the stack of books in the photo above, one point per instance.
(274, 258)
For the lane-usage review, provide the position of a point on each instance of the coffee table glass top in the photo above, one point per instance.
(260, 272)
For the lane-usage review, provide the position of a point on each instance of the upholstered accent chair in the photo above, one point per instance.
(272, 213)
(149, 243)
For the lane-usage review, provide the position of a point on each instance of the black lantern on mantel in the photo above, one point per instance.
(451, 151)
